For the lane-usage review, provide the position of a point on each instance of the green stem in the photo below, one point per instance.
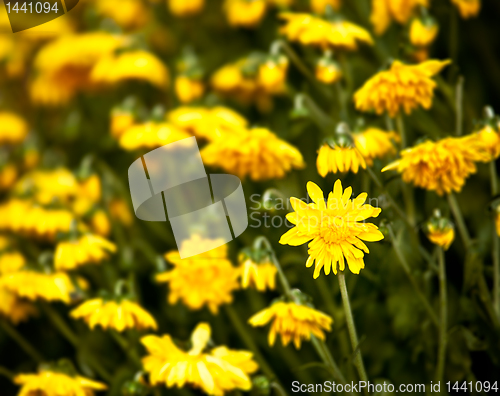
(279, 389)
(358, 359)
(125, 345)
(401, 129)
(324, 122)
(443, 316)
(411, 278)
(21, 341)
(459, 93)
(496, 245)
(457, 214)
(326, 356)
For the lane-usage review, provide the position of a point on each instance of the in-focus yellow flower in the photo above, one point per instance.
(310, 30)
(85, 250)
(440, 166)
(385, 11)
(188, 89)
(440, 233)
(292, 322)
(375, 143)
(336, 227)
(340, 158)
(489, 138)
(257, 153)
(423, 33)
(205, 279)
(244, 13)
(261, 276)
(13, 129)
(8, 176)
(327, 71)
(15, 309)
(150, 135)
(401, 87)
(215, 371)
(319, 6)
(128, 14)
(52, 383)
(272, 75)
(116, 315)
(467, 8)
(11, 262)
(182, 8)
(121, 120)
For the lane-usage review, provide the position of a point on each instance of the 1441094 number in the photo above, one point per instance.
(38, 8)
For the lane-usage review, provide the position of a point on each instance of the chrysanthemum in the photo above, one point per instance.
(257, 153)
(440, 166)
(336, 227)
(244, 13)
(271, 75)
(188, 89)
(319, 6)
(375, 143)
(214, 371)
(489, 139)
(100, 223)
(118, 315)
(86, 249)
(182, 8)
(310, 30)
(150, 135)
(13, 129)
(328, 71)
(128, 14)
(120, 121)
(440, 234)
(14, 308)
(11, 262)
(423, 34)
(385, 11)
(339, 159)
(293, 322)
(52, 383)
(205, 279)
(468, 8)
(401, 87)
(261, 276)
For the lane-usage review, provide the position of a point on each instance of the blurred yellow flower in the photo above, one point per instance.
(51, 383)
(272, 75)
(341, 158)
(8, 176)
(87, 249)
(15, 309)
(150, 135)
(402, 86)
(120, 121)
(422, 34)
(120, 211)
(375, 143)
(327, 71)
(215, 371)
(261, 276)
(440, 235)
(467, 8)
(440, 166)
(257, 153)
(336, 227)
(292, 322)
(183, 8)
(11, 262)
(188, 89)
(99, 222)
(118, 315)
(13, 129)
(205, 279)
(385, 11)
(310, 30)
(244, 13)
(497, 219)
(319, 6)
(128, 14)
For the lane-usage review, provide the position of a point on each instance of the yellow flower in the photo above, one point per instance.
(51, 383)
(244, 13)
(100, 223)
(205, 279)
(489, 138)
(188, 89)
(214, 371)
(384, 11)
(467, 8)
(261, 276)
(257, 153)
(374, 143)
(292, 322)
(327, 71)
(132, 65)
(341, 158)
(422, 34)
(120, 315)
(13, 129)
(440, 235)
(272, 75)
(150, 135)
(336, 227)
(120, 121)
(14, 308)
(120, 211)
(183, 8)
(402, 86)
(319, 6)
(310, 30)
(85, 250)
(497, 219)
(11, 262)
(8, 176)
(87, 195)
(440, 166)
(128, 14)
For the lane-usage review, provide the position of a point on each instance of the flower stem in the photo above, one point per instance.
(459, 93)
(406, 268)
(326, 356)
(457, 214)
(496, 245)
(21, 341)
(6, 373)
(400, 126)
(125, 345)
(358, 359)
(443, 317)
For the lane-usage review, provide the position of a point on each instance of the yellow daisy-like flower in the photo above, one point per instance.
(319, 6)
(114, 315)
(128, 14)
(339, 159)
(327, 71)
(310, 30)
(336, 227)
(99, 223)
(214, 371)
(11, 262)
(272, 75)
(489, 138)
(261, 276)
(467, 8)
(375, 143)
(182, 8)
(13, 129)
(205, 279)
(188, 89)
(86, 249)
(385, 11)
(244, 13)
(422, 34)
(14, 308)
(121, 120)
(150, 135)
(292, 322)
(401, 87)
(51, 383)
(440, 166)
(439, 235)
(257, 153)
